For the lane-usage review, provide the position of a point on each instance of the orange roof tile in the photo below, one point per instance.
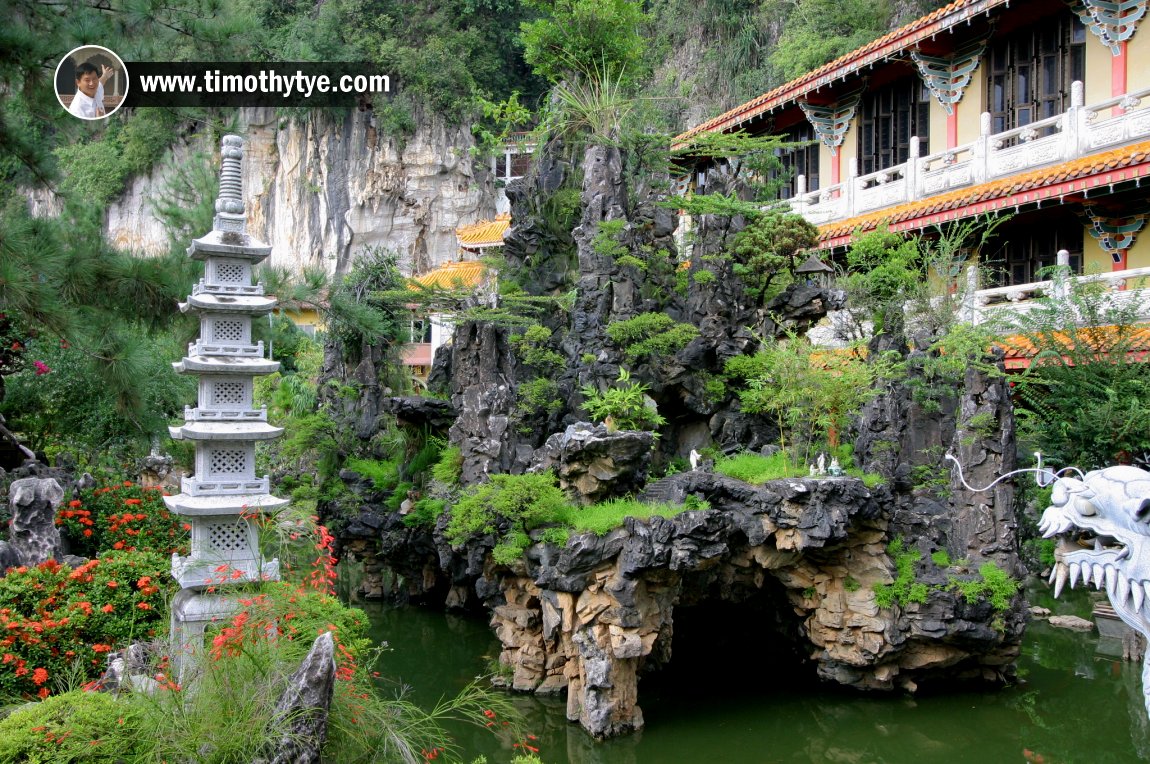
(1097, 166)
(466, 274)
(485, 233)
(901, 39)
(1020, 351)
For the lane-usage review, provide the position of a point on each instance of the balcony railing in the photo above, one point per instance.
(1078, 132)
(1123, 289)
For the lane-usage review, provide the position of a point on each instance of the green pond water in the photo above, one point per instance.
(1074, 704)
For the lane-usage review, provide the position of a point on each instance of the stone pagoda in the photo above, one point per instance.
(222, 499)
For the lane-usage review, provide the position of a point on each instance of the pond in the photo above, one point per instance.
(1073, 704)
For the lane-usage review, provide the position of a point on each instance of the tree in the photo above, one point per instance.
(1085, 397)
(767, 247)
(582, 37)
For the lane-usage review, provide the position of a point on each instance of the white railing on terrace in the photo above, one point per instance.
(1124, 287)
(1078, 132)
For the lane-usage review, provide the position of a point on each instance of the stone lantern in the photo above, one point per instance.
(223, 497)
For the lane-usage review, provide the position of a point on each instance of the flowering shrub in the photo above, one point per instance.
(56, 620)
(123, 516)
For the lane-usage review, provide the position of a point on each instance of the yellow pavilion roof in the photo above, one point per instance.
(485, 233)
(466, 274)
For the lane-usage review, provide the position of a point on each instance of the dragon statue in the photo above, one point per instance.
(1102, 522)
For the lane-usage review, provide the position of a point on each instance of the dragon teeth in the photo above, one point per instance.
(1060, 581)
(1139, 594)
(1075, 568)
(1123, 588)
(1087, 572)
(1099, 576)
(1111, 578)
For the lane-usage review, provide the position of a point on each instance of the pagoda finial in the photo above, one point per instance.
(230, 216)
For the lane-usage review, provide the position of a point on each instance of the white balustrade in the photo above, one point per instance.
(1076, 133)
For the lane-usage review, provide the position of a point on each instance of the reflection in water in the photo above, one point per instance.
(1073, 705)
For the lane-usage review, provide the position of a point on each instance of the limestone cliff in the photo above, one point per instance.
(321, 187)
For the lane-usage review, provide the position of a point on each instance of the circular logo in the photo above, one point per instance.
(91, 82)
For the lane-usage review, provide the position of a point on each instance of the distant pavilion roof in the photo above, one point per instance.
(466, 274)
(485, 233)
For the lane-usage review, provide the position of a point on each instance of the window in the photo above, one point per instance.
(888, 118)
(1029, 73)
(420, 331)
(1029, 247)
(803, 160)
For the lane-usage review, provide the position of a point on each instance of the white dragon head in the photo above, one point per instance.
(1103, 527)
(1110, 509)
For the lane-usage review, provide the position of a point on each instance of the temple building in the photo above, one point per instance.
(1034, 108)
(429, 331)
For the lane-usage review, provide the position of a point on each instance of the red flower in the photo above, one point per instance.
(74, 503)
(39, 676)
(108, 608)
(41, 368)
(144, 606)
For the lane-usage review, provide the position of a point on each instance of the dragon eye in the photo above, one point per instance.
(1085, 507)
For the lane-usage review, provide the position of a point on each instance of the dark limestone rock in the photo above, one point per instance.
(302, 711)
(595, 464)
(418, 411)
(33, 535)
(483, 391)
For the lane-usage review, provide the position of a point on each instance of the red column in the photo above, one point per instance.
(952, 128)
(1118, 76)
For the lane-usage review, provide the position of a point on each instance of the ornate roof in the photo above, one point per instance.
(1054, 183)
(464, 274)
(887, 46)
(485, 233)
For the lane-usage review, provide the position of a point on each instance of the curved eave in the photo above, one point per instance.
(225, 365)
(215, 303)
(888, 46)
(207, 506)
(225, 431)
(221, 244)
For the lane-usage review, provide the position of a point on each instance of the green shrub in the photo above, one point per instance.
(427, 510)
(76, 726)
(993, 583)
(941, 558)
(757, 469)
(384, 475)
(905, 589)
(525, 501)
(624, 404)
(651, 334)
(449, 467)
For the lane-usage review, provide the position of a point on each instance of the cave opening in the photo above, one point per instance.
(743, 646)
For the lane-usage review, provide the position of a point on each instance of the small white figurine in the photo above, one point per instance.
(822, 465)
(835, 469)
(694, 460)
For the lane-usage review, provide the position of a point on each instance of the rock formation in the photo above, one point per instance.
(591, 617)
(33, 536)
(798, 562)
(301, 712)
(322, 190)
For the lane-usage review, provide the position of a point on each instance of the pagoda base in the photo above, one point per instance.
(192, 613)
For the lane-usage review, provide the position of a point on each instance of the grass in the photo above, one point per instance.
(604, 517)
(757, 469)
